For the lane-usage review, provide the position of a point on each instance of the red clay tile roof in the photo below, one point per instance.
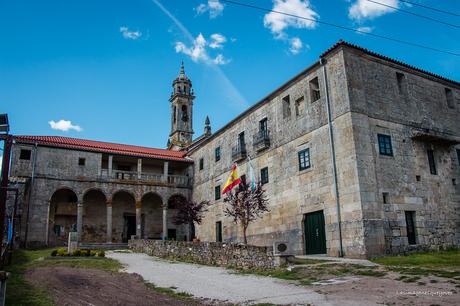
(104, 147)
(369, 52)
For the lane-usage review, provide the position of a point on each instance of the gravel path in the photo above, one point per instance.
(219, 283)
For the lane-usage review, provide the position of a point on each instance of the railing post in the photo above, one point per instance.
(110, 165)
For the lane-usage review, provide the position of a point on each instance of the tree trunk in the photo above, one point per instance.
(244, 234)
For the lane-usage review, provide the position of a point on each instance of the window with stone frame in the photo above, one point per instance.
(401, 81)
(449, 98)
(201, 163)
(315, 93)
(264, 175)
(217, 193)
(81, 161)
(385, 146)
(286, 107)
(410, 227)
(25, 154)
(431, 162)
(458, 156)
(304, 159)
(217, 154)
(300, 106)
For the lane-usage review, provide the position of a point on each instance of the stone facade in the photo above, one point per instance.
(368, 95)
(208, 253)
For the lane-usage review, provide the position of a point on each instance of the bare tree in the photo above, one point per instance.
(246, 205)
(189, 212)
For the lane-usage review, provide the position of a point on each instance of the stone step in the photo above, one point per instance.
(103, 246)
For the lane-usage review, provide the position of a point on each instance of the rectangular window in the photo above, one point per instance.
(314, 90)
(264, 175)
(263, 126)
(431, 162)
(458, 156)
(81, 161)
(299, 106)
(401, 79)
(201, 163)
(304, 159)
(217, 154)
(286, 107)
(449, 98)
(219, 231)
(25, 154)
(217, 192)
(243, 182)
(385, 198)
(410, 226)
(385, 147)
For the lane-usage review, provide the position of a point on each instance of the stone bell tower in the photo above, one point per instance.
(181, 112)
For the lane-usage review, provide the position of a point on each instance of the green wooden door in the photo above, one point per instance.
(314, 233)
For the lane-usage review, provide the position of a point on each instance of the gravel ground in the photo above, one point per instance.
(220, 284)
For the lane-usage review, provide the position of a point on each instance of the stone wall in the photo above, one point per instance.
(208, 253)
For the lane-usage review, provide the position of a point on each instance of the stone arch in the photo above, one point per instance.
(176, 232)
(85, 191)
(94, 226)
(152, 216)
(62, 217)
(123, 215)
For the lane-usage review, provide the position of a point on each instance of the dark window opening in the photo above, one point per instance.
(454, 182)
(385, 147)
(217, 154)
(431, 162)
(286, 107)
(385, 197)
(264, 175)
(81, 161)
(174, 114)
(304, 159)
(314, 90)
(418, 178)
(410, 225)
(201, 163)
(263, 126)
(241, 142)
(184, 113)
(401, 79)
(217, 192)
(450, 98)
(458, 156)
(299, 106)
(25, 154)
(219, 231)
(243, 182)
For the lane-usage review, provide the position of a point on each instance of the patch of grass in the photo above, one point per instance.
(170, 292)
(106, 264)
(370, 273)
(425, 272)
(442, 259)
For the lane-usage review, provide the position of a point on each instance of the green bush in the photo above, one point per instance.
(76, 253)
(87, 253)
(62, 252)
(93, 253)
(101, 253)
(54, 253)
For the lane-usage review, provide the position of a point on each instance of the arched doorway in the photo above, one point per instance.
(94, 216)
(123, 216)
(176, 232)
(62, 216)
(152, 216)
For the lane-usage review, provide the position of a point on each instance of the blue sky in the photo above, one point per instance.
(107, 66)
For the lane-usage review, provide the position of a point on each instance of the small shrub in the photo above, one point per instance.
(101, 253)
(86, 253)
(54, 253)
(62, 252)
(93, 253)
(77, 253)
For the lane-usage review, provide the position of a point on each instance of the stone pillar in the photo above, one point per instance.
(139, 168)
(164, 235)
(79, 220)
(165, 171)
(109, 221)
(110, 165)
(138, 219)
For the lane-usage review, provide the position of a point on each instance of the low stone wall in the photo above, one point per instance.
(208, 253)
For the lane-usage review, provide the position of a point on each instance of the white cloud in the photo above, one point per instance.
(198, 53)
(363, 9)
(213, 7)
(64, 125)
(278, 23)
(127, 34)
(365, 30)
(217, 41)
(296, 45)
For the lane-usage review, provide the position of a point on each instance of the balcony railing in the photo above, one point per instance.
(239, 152)
(261, 140)
(177, 180)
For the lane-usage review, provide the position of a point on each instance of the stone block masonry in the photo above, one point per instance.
(208, 253)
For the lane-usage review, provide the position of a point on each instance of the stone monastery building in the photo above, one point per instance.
(359, 155)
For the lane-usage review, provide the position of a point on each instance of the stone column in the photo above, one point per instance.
(109, 221)
(165, 171)
(139, 168)
(110, 165)
(138, 219)
(164, 235)
(79, 220)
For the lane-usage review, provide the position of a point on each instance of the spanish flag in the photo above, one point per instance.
(232, 181)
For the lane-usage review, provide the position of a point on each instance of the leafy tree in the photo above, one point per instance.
(189, 212)
(246, 205)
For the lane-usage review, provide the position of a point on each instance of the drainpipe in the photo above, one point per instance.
(322, 61)
(32, 180)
